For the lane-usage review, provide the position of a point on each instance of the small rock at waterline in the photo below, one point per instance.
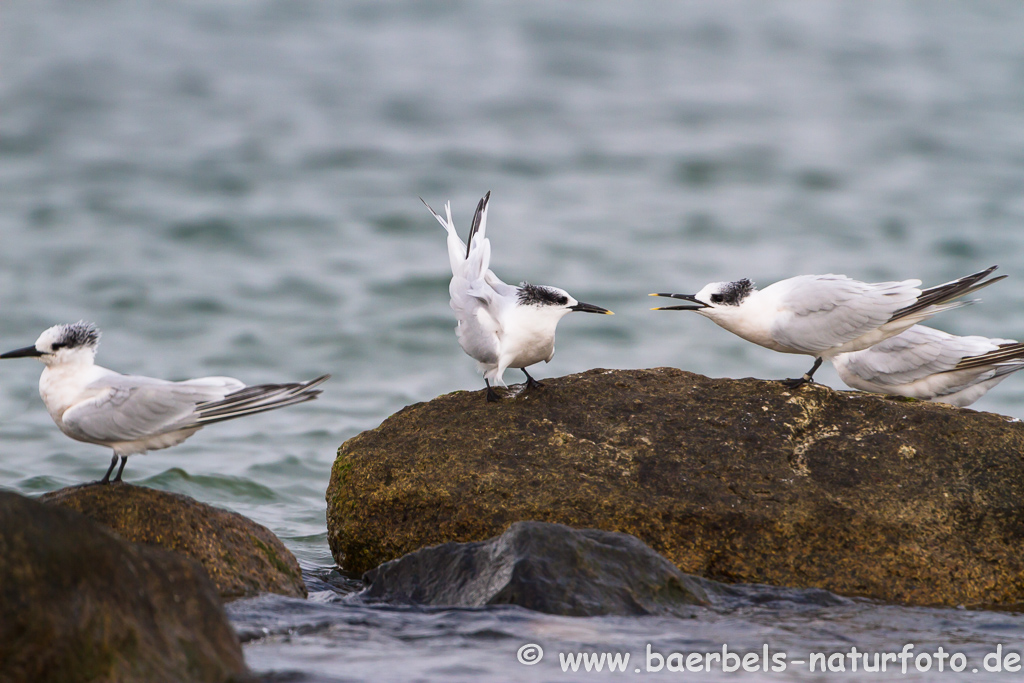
(243, 558)
(549, 568)
(78, 603)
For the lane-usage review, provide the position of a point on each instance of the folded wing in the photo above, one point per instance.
(821, 312)
(915, 354)
(132, 408)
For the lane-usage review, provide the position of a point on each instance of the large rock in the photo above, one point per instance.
(77, 603)
(544, 567)
(242, 557)
(733, 480)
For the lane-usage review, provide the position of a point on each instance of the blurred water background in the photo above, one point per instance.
(231, 188)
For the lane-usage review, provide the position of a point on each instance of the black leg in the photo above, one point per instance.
(530, 381)
(492, 395)
(106, 477)
(807, 378)
(124, 460)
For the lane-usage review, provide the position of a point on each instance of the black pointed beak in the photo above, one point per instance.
(590, 308)
(685, 297)
(27, 352)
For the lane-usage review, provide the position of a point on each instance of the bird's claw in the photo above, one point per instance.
(797, 382)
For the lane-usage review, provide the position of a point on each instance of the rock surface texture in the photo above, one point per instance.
(242, 557)
(77, 603)
(544, 567)
(732, 480)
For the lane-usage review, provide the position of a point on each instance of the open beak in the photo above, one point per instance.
(590, 308)
(27, 352)
(697, 305)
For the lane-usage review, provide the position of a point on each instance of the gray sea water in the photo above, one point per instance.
(231, 188)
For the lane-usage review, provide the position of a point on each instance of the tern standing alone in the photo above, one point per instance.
(824, 315)
(932, 365)
(133, 414)
(500, 325)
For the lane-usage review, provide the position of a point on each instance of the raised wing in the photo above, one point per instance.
(456, 247)
(816, 313)
(470, 262)
(478, 296)
(478, 228)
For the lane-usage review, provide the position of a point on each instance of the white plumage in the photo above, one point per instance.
(824, 315)
(501, 326)
(133, 414)
(932, 365)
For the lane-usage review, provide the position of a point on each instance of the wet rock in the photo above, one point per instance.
(243, 558)
(77, 603)
(544, 567)
(732, 480)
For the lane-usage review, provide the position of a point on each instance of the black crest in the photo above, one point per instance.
(77, 334)
(538, 295)
(733, 293)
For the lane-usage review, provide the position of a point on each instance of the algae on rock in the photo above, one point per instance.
(732, 480)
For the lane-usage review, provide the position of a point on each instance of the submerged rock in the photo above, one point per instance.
(77, 603)
(732, 480)
(544, 567)
(243, 558)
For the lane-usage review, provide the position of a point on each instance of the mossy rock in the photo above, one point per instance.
(732, 480)
(243, 558)
(80, 604)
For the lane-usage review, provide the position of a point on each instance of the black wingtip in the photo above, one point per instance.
(477, 217)
(948, 291)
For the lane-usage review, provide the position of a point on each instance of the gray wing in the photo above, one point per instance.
(131, 407)
(476, 306)
(821, 312)
(913, 355)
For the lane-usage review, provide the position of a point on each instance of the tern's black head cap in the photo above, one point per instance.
(733, 293)
(539, 295)
(75, 335)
